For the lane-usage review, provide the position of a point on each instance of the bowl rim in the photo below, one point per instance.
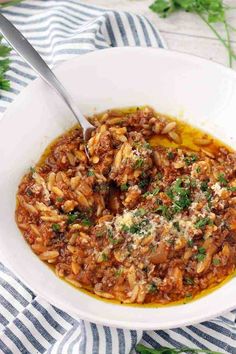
(199, 317)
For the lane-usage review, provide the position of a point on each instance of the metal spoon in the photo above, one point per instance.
(32, 57)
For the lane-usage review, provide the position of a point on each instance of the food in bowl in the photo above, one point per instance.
(150, 218)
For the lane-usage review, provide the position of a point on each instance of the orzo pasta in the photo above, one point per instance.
(151, 218)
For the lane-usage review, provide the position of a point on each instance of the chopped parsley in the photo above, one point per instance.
(138, 163)
(189, 160)
(91, 173)
(198, 169)
(176, 225)
(111, 238)
(104, 257)
(221, 178)
(190, 243)
(152, 288)
(72, 217)
(201, 250)
(202, 222)
(155, 191)
(232, 189)
(29, 192)
(56, 227)
(124, 187)
(216, 261)
(125, 228)
(147, 146)
(118, 272)
(140, 212)
(188, 281)
(170, 155)
(201, 254)
(204, 185)
(143, 183)
(59, 199)
(180, 196)
(165, 212)
(135, 228)
(86, 222)
(200, 257)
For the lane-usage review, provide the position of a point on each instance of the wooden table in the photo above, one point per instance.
(183, 32)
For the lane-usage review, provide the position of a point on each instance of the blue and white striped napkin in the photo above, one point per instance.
(59, 30)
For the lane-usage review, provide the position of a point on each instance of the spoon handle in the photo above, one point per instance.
(32, 57)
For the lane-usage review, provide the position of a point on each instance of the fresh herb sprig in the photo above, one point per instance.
(4, 54)
(141, 349)
(210, 11)
(4, 66)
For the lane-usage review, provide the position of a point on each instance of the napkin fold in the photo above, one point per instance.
(60, 30)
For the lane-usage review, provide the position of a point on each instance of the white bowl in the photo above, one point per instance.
(178, 84)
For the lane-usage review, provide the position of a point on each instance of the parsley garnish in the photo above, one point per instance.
(4, 66)
(56, 227)
(86, 222)
(143, 183)
(141, 349)
(232, 189)
(91, 173)
(165, 211)
(201, 254)
(188, 281)
(204, 185)
(124, 187)
(118, 272)
(147, 146)
(152, 288)
(190, 243)
(216, 261)
(104, 257)
(198, 169)
(190, 159)
(170, 155)
(111, 238)
(140, 212)
(138, 163)
(59, 199)
(202, 222)
(125, 228)
(221, 178)
(180, 196)
(176, 225)
(72, 217)
(210, 12)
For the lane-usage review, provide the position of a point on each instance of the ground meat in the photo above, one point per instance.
(150, 217)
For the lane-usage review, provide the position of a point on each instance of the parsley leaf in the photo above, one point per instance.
(210, 12)
(202, 222)
(124, 187)
(221, 178)
(152, 288)
(72, 217)
(138, 163)
(216, 261)
(189, 160)
(56, 227)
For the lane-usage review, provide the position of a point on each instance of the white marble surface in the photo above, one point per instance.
(183, 32)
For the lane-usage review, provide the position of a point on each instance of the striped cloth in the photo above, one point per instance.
(59, 30)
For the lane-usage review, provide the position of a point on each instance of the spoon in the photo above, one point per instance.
(32, 57)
